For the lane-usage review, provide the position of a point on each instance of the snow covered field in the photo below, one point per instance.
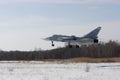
(52, 71)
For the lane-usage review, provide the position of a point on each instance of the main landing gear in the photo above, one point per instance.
(76, 46)
(69, 45)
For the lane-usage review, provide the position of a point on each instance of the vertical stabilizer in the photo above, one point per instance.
(93, 34)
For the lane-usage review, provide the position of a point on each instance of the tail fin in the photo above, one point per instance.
(93, 34)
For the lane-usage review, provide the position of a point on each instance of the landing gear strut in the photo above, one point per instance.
(53, 44)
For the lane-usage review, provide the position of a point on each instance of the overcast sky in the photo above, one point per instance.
(24, 22)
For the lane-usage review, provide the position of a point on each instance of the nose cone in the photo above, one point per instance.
(47, 38)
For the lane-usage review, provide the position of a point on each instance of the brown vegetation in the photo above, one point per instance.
(93, 60)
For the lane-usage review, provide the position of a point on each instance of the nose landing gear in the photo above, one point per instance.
(53, 44)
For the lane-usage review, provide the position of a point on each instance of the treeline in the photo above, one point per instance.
(101, 50)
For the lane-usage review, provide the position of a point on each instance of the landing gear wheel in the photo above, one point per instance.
(70, 46)
(53, 45)
(77, 46)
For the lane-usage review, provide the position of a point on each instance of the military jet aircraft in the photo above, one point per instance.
(91, 37)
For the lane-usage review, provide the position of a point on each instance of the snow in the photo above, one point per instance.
(37, 70)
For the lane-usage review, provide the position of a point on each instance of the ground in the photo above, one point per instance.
(38, 70)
